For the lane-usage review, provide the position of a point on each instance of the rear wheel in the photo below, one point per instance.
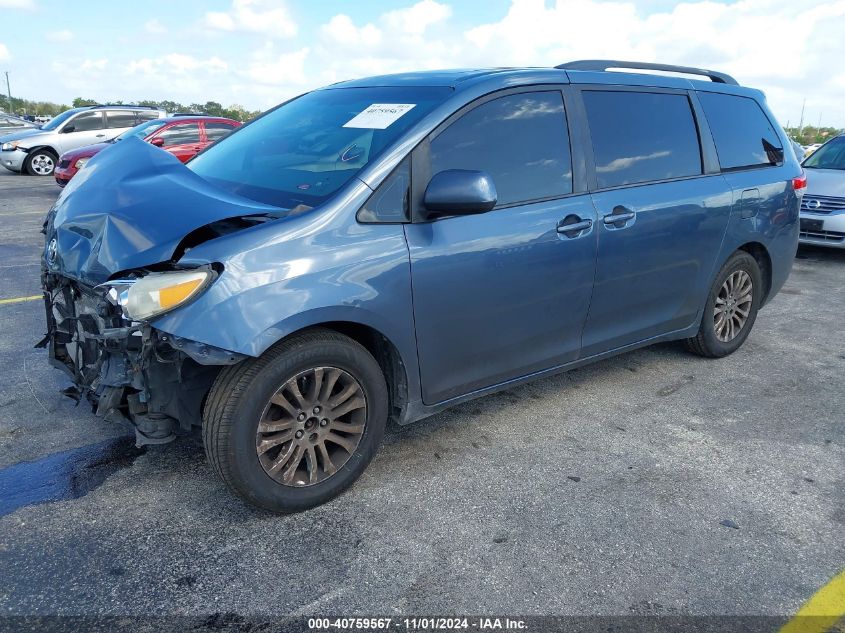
(41, 162)
(296, 427)
(731, 308)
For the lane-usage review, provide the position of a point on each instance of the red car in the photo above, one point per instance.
(182, 136)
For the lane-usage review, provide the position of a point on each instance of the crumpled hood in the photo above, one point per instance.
(825, 182)
(130, 207)
(15, 136)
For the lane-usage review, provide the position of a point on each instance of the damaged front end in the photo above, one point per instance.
(110, 268)
(126, 369)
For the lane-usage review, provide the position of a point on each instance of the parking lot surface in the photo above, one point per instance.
(652, 483)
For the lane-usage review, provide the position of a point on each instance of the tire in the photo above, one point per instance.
(239, 402)
(42, 162)
(712, 334)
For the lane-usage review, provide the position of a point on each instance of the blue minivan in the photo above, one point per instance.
(388, 247)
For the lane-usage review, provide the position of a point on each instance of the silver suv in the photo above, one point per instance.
(36, 150)
(823, 206)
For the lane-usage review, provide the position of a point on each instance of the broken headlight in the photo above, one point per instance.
(157, 293)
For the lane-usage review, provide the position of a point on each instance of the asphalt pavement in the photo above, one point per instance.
(653, 483)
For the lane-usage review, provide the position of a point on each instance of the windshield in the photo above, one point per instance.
(305, 150)
(57, 120)
(829, 156)
(141, 131)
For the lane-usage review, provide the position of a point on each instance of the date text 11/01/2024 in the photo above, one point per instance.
(416, 624)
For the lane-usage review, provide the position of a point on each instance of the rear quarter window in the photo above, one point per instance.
(640, 137)
(744, 136)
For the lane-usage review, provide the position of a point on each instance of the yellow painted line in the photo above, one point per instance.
(824, 609)
(4, 302)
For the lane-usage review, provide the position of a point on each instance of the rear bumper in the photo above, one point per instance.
(823, 229)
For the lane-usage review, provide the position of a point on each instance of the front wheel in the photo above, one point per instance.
(41, 163)
(296, 427)
(731, 308)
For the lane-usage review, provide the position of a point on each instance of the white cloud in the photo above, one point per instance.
(17, 4)
(789, 49)
(65, 35)
(94, 65)
(785, 48)
(418, 18)
(175, 64)
(154, 27)
(399, 40)
(342, 30)
(256, 16)
(271, 68)
(4, 52)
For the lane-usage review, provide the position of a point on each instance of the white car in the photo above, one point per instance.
(36, 150)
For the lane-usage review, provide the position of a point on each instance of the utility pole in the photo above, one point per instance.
(801, 122)
(9, 93)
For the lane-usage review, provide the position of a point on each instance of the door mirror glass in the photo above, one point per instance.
(459, 192)
(68, 129)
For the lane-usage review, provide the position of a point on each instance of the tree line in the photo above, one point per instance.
(809, 135)
(48, 108)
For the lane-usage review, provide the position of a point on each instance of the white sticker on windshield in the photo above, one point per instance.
(379, 115)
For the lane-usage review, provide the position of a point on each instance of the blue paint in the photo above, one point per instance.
(67, 475)
(471, 303)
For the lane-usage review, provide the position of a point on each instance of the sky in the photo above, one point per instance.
(257, 53)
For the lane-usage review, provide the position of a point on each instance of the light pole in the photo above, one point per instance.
(9, 93)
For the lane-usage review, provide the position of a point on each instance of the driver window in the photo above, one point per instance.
(521, 140)
(86, 122)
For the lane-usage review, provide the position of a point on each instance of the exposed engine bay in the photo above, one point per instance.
(128, 371)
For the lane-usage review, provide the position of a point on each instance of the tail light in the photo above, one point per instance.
(800, 183)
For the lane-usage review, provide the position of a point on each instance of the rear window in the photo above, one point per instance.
(180, 134)
(641, 137)
(147, 115)
(215, 130)
(302, 152)
(744, 136)
(120, 118)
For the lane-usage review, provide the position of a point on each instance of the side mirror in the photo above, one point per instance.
(68, 129)
(158, 142)
(459, 192)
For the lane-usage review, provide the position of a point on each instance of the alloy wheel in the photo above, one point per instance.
(733, 305)
(311, 426)
(42, 164)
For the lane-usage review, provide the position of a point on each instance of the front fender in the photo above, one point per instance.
(362, 276)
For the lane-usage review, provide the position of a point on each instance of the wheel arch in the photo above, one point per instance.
(49, 148)
(764, 260)
(385, 352)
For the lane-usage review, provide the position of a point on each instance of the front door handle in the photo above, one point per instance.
(100, 135)
(572, 226)
(619, 217)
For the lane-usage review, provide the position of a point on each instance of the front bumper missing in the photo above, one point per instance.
(127, 371)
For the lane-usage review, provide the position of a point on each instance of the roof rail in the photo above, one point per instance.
(604, 64)
(125, 105)
(190, 114)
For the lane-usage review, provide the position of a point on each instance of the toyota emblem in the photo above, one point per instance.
(52, 251)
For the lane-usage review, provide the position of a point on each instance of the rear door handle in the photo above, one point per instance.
(571, 226)
(100, 135)
(620, 216)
